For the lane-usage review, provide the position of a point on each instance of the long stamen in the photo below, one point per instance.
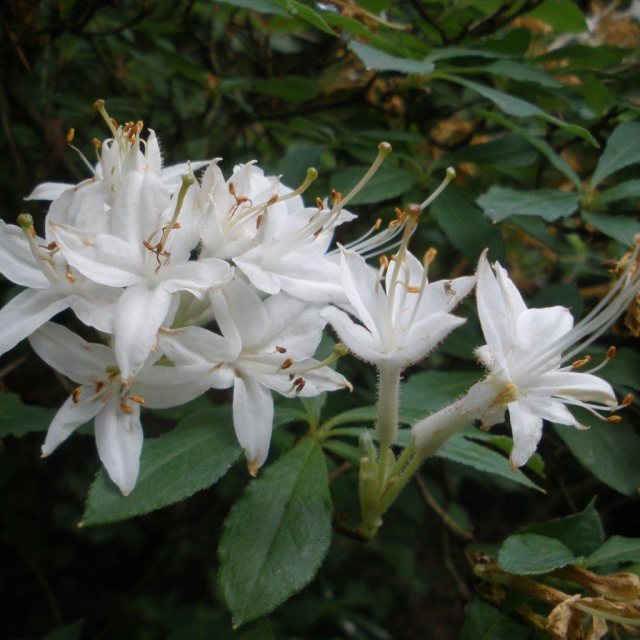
(99, 106)
(449, 176)
(384, 149)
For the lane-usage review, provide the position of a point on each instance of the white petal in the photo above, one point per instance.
(100, 257)
(239, 311)
(136, 214)
(548, 409)
(537, 328)
(96, 306)
(527, 431)
(197, 277)
(293, 324)
(82, 207)
(69, 354)
(497, 315)
(163, 387)
(315, 381)
(119, 440)
(49, 191)
(139, 314)
(425, 335)
(26, 312)
(17, 263)
(571, 384)
(357, 339)
(445, 295)
(364, 291)
(70, 416)
(252, 420)
(195, 345)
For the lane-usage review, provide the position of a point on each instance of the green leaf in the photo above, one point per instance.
(620, 228)
(387, 183)
(261, 6)
(18, 419)
(484, 622)
(191, 457)
(343, 450)
(517, 107)
(499, 203)
(298, 10)
(429, 391)
(562, 15)
(522, 72)
(377, 60)
(540, 144)
(623, 191)
(621, 151)
(461, 52)
(582, 532)
(277, 534)
(608, 450)
(531, 554)
(472, 454)
(465, 226)
(616, 549)
(506, 149)
(290, 89)
(71, 631)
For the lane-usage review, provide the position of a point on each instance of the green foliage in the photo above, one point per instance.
(532, 554)
(190, 458)
(542, 128)
(18, 419)
(277, 534)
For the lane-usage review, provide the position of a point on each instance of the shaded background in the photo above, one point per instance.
(249, 81)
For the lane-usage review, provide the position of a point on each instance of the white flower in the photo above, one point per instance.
(524, 356)
(52, 284)
(402, 321)
(104, 395)
(264, 346)
(148, 253)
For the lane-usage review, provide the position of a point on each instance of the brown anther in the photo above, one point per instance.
(175, 225)
(75, 395)
(273, 199)
(611, 352)
(299, 383)
(318, 232)
(319, 204)
(627, 400)
(232, 189)
(281, 349)
(384, 261)
(70, 277)
(395, 223)
(96, 143)
(411, 289)
(70, 134)
(148, 245)
(614, 419)
(377, 224)
(126, 408)
(430, 255)
(580, 363)
(137, 399)
(287, 363)
(99, 386)
(242, 199)
(52, 246)
(291, 376)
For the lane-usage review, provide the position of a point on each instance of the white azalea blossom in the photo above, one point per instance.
(525, 354)
(104, 396)
(265, 345)
(402, 321)
(52, 286)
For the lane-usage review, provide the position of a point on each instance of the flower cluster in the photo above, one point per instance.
(198, 283)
